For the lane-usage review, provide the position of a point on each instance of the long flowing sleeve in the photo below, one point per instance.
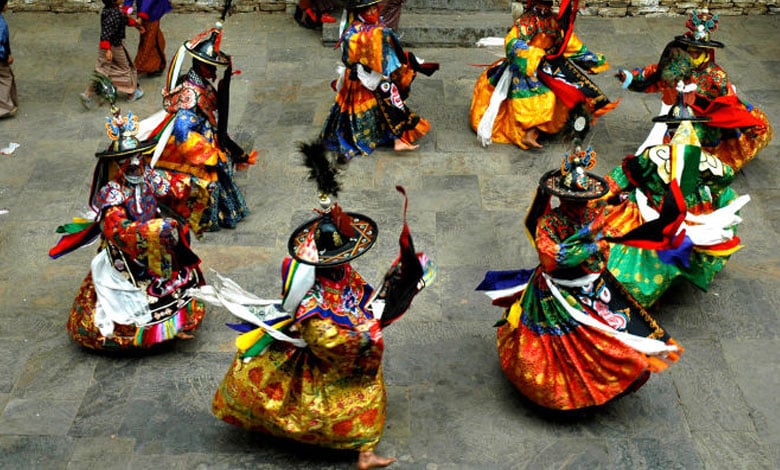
(338, 326)
(520, 52)
(184, 194)
(348, 349)
(579, 53)
(373, 46)
(560, 250)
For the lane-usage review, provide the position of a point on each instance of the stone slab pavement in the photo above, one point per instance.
(449, 404)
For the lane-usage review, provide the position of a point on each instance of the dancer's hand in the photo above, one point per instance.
(109, 55)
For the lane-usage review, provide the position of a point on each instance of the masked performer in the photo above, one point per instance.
(310, 367)
(195, 130)
(571, 337)
(135, 295)
(712, 206)
(736, 130)
(370, 110)
(538, 87)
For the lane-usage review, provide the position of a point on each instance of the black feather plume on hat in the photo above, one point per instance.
(320, 169)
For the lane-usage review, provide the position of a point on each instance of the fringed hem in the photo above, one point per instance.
(410, 136)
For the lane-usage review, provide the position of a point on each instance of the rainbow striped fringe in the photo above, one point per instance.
(149, 335)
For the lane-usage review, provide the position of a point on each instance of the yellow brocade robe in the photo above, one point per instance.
(329, 393)
(529, 102)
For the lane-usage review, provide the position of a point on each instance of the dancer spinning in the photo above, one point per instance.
(310, 366)
(640, 184)
(370, 111)
(194, 130)
(736, 130)
(135, 295)
(538, 87)
(571, 336)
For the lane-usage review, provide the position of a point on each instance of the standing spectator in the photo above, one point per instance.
(8, 101)
(391, 13)
(150, 58)
(113, 59)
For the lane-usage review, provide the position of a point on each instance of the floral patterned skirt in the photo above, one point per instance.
(287, 392)
(562, 364)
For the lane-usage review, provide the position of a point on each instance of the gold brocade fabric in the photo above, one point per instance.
(330, 393)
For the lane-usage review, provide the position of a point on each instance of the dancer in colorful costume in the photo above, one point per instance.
(370, 111)
(310, 366)
(640, 183)
(135, 295)
(539, 87)
(736, 130)
(571, 336)
(194, 130)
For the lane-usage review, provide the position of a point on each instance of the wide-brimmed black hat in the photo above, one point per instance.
(206, 47)
(339, 237)
(680, 111)
(572, 181)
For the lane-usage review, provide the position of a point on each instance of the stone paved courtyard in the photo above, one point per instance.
(449, 405)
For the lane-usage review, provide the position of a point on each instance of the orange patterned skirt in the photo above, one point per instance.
(561, 364)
